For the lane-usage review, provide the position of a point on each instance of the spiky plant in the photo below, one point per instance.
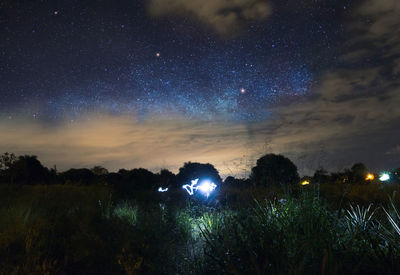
(360, 219)
(392, 234)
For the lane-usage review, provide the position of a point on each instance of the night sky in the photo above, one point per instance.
(156, 83)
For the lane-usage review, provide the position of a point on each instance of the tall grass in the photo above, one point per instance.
(83, 230)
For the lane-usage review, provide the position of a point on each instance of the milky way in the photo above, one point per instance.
(62, 61)
(155, 83)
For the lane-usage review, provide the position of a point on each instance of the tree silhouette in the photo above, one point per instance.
(128, 182)
(320, 176)
(237, 183)
(6, 160)
(358, 172)
(142, 178)
(99, 170)
(28, 170)
(274, 169)
(82, 176)
(166, 179)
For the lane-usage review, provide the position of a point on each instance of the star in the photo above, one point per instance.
(243, 90)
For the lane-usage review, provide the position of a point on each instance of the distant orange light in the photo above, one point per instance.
(306, 182)
(370, 176)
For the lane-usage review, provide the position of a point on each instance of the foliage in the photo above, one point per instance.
(321, 176)
(129, 182)
(71, 229)
(78, 176)
(99, 170)
(167, 179)
(274, 169)
(6, 160)
(358, 172)
(28, 169)
(96, 222)
(392, 234)
(360, 218)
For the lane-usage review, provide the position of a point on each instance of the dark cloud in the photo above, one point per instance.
(379, 25)
(352, 102)
(225, 16)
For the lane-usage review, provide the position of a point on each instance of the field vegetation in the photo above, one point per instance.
(97, 222)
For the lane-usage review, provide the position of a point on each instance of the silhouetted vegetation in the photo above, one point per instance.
(92, 221)
(274, 169)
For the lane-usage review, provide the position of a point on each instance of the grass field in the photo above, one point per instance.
(327, 229)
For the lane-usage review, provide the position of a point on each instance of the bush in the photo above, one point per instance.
(274, 169)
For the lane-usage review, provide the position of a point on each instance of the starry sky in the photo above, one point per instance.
(156, 83)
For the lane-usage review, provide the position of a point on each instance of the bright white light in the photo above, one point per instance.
(205, 187)
(160, 189)
(384, 177)
(192, 187)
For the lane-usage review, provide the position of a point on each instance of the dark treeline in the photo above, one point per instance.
(92, 221)
(270, 170)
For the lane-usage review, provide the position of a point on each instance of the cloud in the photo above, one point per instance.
(122, 142)
(312, 133)
(353, 114)
(379, 26)
(227, 17)
(394, 151)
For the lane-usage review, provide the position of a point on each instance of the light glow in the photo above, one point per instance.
(370, 176)
(160, 189)
(306, 182)
(384, 177)
(206, 187)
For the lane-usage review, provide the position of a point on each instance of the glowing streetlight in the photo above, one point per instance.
(370, 176)
(384, 177)
(305, 182)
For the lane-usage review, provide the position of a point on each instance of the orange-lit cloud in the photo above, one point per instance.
(122, 142)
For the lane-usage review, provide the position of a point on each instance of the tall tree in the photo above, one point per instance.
(274, 169)
(28, 170)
